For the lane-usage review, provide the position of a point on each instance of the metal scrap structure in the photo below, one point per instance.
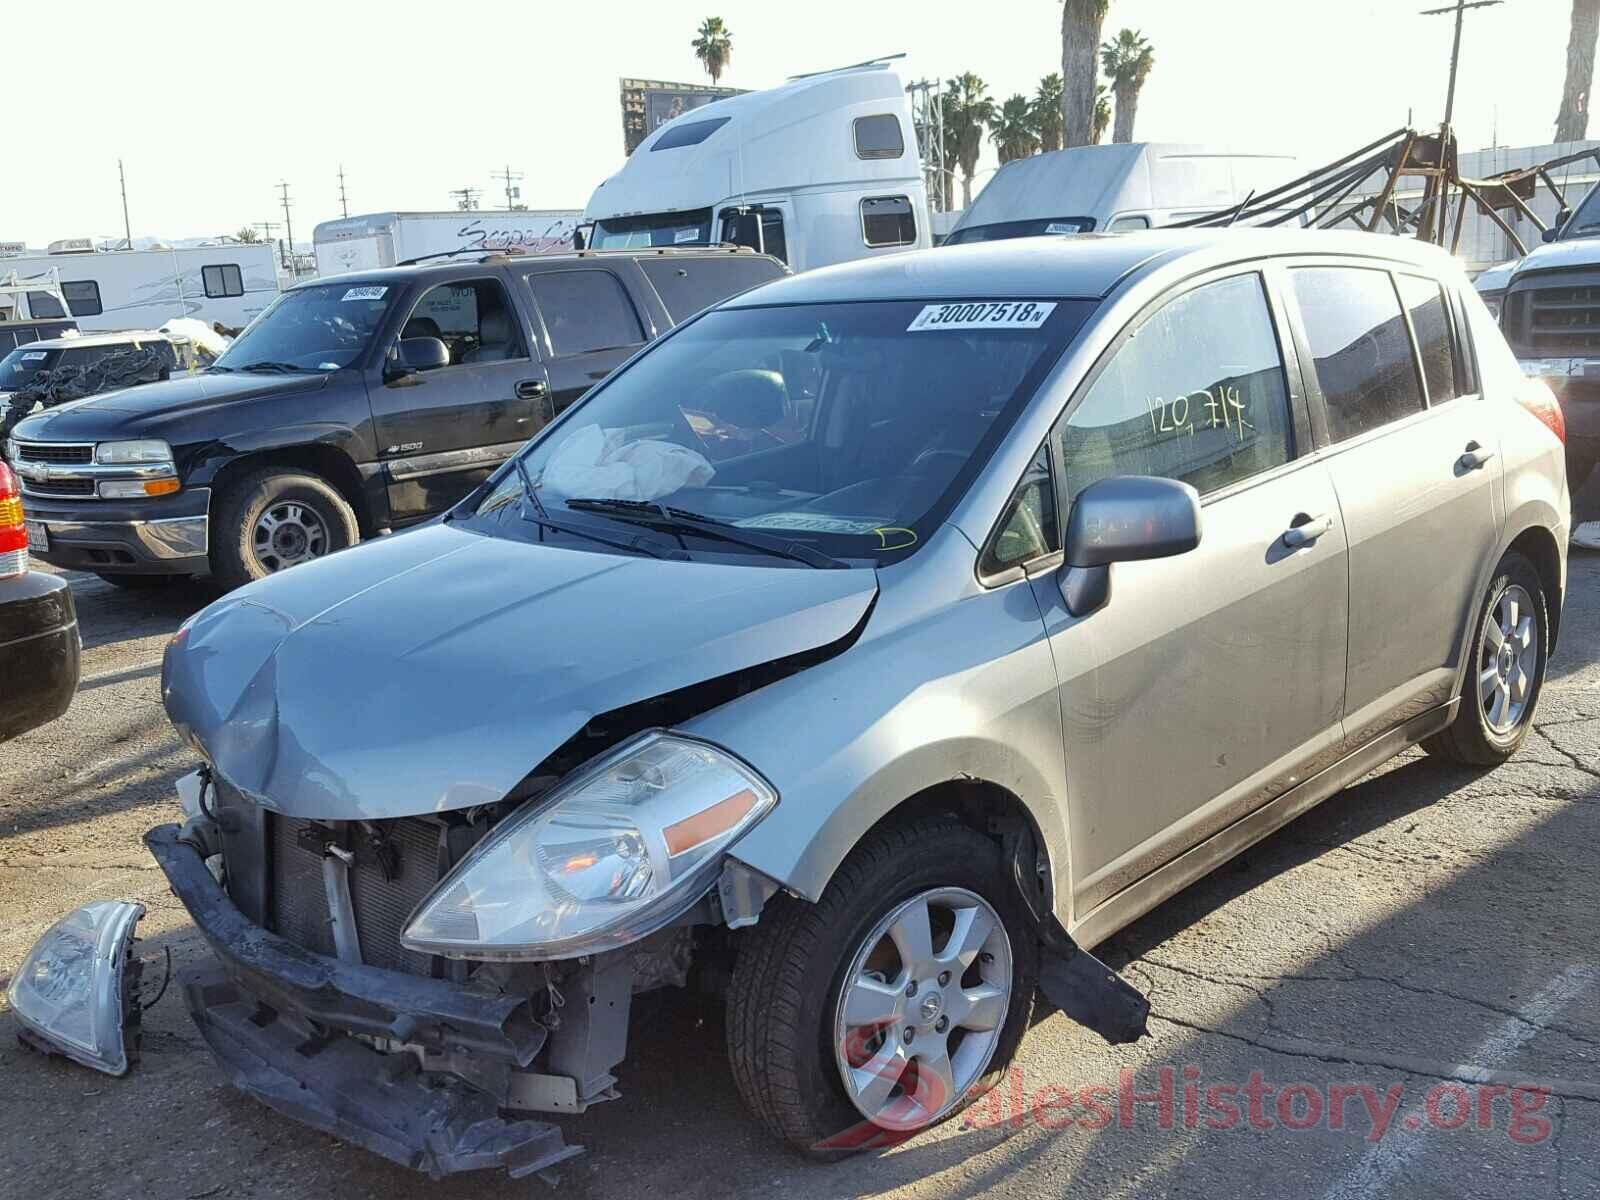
(1321, 199)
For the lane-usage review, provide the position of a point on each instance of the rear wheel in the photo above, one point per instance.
(892, 1003)
(1506, 673)
(276, 519)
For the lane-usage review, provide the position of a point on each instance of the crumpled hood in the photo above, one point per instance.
(150, 409)
(1571, 252)
(433, 670)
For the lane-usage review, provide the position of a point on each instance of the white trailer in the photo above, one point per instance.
(143, 289)
(384, 239)
(1109, 189)
(823, 169)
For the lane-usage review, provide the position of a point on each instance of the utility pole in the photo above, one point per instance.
(266, 228)
(344, 203)
(1459, 8)
(508, 177)
(467, 198)
(288, 223)
(127, 228)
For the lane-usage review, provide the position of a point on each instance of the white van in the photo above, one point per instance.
(1111, 189)
(823, 169)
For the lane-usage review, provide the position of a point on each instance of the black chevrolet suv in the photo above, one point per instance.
(353, 406)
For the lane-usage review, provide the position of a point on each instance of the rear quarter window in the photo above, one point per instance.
(687, 286)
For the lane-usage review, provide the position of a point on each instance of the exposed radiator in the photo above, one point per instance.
(299, 901)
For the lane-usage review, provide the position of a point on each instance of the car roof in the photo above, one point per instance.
(1085, 265)
(466, 262)
(98, 339)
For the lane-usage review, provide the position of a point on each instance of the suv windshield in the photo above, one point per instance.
(22, 364)
(847, 428)
(1587, 219)
(316, 328)
(999, 231)
(660, 229)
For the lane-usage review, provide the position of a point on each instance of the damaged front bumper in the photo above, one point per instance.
(295, 1029)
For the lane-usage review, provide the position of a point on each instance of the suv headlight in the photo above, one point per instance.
(611, 854)
(124, 453)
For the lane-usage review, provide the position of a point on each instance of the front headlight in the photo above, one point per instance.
(613, 853)
(70, 992)
(126, 453)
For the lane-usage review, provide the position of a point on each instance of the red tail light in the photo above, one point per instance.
(1535, 396)
(13, 535)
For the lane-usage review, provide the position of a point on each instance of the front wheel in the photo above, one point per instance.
(1506, 671)
(893, 1002)
(276, 519)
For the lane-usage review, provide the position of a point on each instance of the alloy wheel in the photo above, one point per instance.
(922, 1006)
(288, 533)
(1509, 659)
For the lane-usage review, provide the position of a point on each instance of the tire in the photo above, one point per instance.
(791, 970)
(325, 518)
(140, 583)
(1476, 738)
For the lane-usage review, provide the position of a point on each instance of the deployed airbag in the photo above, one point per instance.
(604, 463)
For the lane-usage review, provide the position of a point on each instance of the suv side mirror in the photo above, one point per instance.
(1126, 518)
(414, 355)
(1554, 232)
(1551, 234)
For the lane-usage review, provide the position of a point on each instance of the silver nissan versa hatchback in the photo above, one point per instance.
(869, 648)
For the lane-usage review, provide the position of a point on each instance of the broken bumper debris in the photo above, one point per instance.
(295, 1029)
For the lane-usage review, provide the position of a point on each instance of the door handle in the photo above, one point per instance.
(531, 389)
(1304, 530)
(1474, 457)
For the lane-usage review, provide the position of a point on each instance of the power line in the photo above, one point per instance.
(1459, 8)
(508, 177)
(288, 223)
(344, 203)
(466, 198)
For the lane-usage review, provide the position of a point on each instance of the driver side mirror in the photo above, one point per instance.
(1126, 518)
(414, 355)
(1554, 232)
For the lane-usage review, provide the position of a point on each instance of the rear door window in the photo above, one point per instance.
(1430, 321)
(688, 285)
(1360, 347)
(1197, 393)
(586, 311)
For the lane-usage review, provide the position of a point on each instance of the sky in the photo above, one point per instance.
(212, 105)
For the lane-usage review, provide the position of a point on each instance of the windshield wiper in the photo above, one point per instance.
(530, 491)
(279, 368)
(679, 520)
(541, 516)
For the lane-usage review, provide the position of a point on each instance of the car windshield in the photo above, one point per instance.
(22, 364)
(999, 231)
(847, 428)
(1587, 218)
(659, 229)
(318, 328)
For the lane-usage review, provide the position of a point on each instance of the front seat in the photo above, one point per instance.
(496, 336)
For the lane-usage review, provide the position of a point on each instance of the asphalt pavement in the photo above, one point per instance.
(1397, 994)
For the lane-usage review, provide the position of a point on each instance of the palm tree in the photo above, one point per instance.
(1102, 112)
(970, 110)
(1572, 122)
(714, 47)
(1080, 35)
(1127, 61)
(1046, 109)
(1012, 129)
(246, 234)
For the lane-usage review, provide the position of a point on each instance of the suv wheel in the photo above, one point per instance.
(1506, 673)
(276, 519)
(893, 1002)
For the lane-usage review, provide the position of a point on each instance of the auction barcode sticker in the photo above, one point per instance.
(365, 293)
(983, 314)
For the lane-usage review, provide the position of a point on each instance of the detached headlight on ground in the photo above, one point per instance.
(71, 992)
(612, 854)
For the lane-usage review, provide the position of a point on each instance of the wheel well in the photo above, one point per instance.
(1538, 546)
(323, 461)
(989, 809)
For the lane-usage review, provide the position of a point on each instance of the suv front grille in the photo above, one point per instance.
(298, 899)
(1554, 313)
(58, 487)
(55, 452)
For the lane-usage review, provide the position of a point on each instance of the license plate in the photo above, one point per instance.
(38, 535)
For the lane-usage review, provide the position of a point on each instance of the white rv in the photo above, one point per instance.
(143, 289)
(823, 169)
(385, 239)
(1133, 185)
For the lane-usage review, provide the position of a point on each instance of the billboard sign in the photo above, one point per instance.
(648, 104)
